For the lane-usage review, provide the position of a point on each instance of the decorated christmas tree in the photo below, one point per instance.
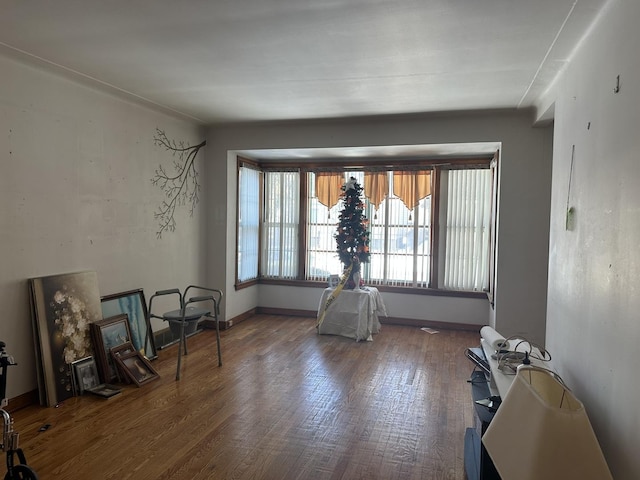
(352, 237)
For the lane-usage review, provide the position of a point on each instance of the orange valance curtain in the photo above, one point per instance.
(411, 187)
(329, 188)
(376, 187)
(408, 186)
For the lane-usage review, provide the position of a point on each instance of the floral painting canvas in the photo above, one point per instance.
(63, 307)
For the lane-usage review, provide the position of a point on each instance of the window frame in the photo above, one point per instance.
(244, 162)
(436, 166)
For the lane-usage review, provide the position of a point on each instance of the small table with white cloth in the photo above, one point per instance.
(353, 314)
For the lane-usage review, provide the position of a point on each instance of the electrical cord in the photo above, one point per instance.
(508, 360)
(544, 356)
(476, 381)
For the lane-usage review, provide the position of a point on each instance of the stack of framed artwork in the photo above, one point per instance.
(106, 334)
(134, 305)
(118, 359)
(75, 329)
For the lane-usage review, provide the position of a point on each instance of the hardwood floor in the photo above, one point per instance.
(286, 404)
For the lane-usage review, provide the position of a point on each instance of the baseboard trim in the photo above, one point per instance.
(409, 322)
(230, 322)
(286, 311)
(413, 322)
(22, 401)
(209, 323)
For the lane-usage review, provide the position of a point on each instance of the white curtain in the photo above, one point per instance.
(281, 225)
(248, 223)
(467, 230)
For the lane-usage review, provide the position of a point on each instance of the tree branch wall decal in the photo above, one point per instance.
(181, 187)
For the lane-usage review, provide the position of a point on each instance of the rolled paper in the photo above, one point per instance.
(493, 338)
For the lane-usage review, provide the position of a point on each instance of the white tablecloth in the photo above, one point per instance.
(353, 314)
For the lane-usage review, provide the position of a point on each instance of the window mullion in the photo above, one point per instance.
(385, 243)
(303, 227)
(416, 223)
(281, 225)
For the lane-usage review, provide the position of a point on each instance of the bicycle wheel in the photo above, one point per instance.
(21, 472)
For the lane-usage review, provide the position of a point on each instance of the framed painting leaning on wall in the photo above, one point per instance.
(107, 334)
(134, 305)
(63, 307)
(137, 368)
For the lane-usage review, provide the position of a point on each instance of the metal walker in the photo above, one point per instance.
(9, 437)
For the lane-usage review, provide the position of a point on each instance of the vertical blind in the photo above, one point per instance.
(400, 246)
(248, 223)
(467, 230)
(280, 226)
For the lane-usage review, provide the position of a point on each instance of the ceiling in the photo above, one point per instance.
(229, 61)
(381, 153)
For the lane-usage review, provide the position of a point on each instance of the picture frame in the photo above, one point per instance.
(133, 303)
(123, 349)
(62, 309)
(136, 367)
(106, 334)
(105, 390)
(85, 374)
(333, 281)
(117, 351)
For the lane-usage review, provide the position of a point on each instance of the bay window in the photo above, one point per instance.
(430, 225)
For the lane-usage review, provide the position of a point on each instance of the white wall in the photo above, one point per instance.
(75, 194)
(468, 311)
(593, 324)
(525, 179)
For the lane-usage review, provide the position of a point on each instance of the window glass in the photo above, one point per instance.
(321, 251)
(248, 223)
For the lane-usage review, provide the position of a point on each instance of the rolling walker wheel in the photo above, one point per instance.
(21, 472)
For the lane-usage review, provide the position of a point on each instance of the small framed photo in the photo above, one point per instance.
(136, 367)
(108, 333)
(85, 374)
(333, 281)
(105, 390)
